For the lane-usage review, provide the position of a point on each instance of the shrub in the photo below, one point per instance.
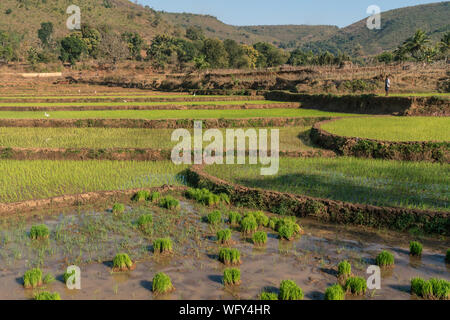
(141, 196)
(162, 283)
(169, 203)
(344, 269)
(154, 197)
(230, 256)
(232, 277)
(385, 259)
(356, 285)
(32, 278)
(335, 292)
(44, 295)
(234, 218)
(289, 290)
(224, 236)
(249, 224)
(39, 232)
(214, 217)
(260, 238)
(122, 262)
(162, 245)
(268, 296)
(447, 256)
(118, 208)
(145, 223)
(431, 289)
(415, 248)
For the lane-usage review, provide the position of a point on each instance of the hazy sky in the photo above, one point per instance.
(255, 12)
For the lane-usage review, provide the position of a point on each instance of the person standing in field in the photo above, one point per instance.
(387, 85)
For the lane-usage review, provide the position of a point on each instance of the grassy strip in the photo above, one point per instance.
(155, 103)
(173, 114)
(377, 182)
(28, 180)
(107, 96)
(393, 128)
(291, 138)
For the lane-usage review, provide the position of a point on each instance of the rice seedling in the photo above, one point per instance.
(224, 236)
(154, 197)
(268, 296)
(214, 218)
(118, 208)
(39, 232)
(145, 223)
(415, 248)
(162, 245)
(385, 259)
(335, 292)
(230, 256)
(141, 196)
(259, 238)
(162, 284)
(344, 271)
(232, 277)
(249, 224)
(234, 218)
(45, 295)
(169, 202)
(32, 278)
(436, 289)
(122, 262)
(48, 278)
(206, 197)
(261, 219)
(289, 290)
(356, 285)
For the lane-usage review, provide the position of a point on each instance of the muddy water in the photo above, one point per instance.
(310, 261)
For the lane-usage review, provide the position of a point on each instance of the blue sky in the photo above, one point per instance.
(256, 12)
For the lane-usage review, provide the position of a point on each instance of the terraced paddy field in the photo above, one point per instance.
(291, 138)
(377, 182)
(392, 128)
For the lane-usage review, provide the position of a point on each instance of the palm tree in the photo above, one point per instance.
(444, 44)
(417, 45)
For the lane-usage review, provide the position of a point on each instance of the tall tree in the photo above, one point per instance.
(417, 45)
(45, 33)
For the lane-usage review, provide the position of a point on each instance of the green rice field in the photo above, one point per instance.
(393, 128)
(291, 138)
(377, 182)
(173, 114)
(41, 179)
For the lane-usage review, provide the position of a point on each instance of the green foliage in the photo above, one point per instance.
(269, 56)
(45, 33)
(195, 33)
(122, 262)
(39, 232)
(67, 275)
(232, 277)
(71, 49)
(259, 238)
(206, 197)
(249, 224)
(135, 44)
(224, 236)
(215, 53)
(344, 269)
(415, 248)
(335, 292)
(261, 219)
(154, 196)
(141, 195)
(169, 202)
(44, 295)
(286, 227)
(356, 285)
(32, 278)
(48, 278)
(432, 289)
(118, 208)
(385, 57)
(234, 218)
(214, 218)
(229, 256)
(268, 296)
(145, 223)
(385, 259)
(162, 283)
(289, 290)
(162, 245)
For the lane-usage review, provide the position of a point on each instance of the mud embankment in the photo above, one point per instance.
(369, 148)
(402, 219)
(367, 104)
